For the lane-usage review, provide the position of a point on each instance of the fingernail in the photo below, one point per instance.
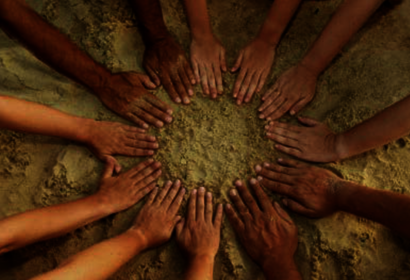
(285, 202)
(145, 125)
(271, 123)
(178, 181)
(168, 119)
(269, 118)
(238, 102)
(268, 134)
(152, 138)
(169, 182)
(169, 111)
(178, 100)
(193, 81)
(194, 191)
(186, 100)
(265, 164)
(238, 183)
(151, 160)
(258, 168)
(228, 206)
(150, 152)
(260, 178)
(253, 181)
(156, 146)
(261, 116)
(209, 195)
(160, 124)
(190, 92)
(267, 126)
(201, 189)
(233, 192)
(292, 112)
(280, 159)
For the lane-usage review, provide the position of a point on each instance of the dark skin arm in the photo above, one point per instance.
(164, 59)
(124, 93)
(317, 192)
(316, 142)
(266, 231)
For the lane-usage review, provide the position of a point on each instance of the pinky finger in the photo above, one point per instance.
(289, 151)
(137, 120)
(298, 106)
(150, 188)
(296, 207)
(218, 217)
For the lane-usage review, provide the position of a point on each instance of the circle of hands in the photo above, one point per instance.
(266, 231)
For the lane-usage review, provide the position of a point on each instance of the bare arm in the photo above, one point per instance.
(152, 227)
(115, 194)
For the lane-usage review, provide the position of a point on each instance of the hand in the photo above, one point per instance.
(166, 63)
(310, 191)
(266, 231)
(198, 236)
(292, 91)
(157, 219)
(122, 191)
(313, 142)
(106, 139)
(255, 61)
(208, 59)
(126, 95)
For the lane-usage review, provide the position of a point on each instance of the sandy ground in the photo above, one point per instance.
(210, 143)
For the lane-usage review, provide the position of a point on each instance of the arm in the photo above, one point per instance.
(317, 192)
(164, 59)
(257, 57)
(316, 142)
(115, 194)
(105, 139)
(207, 53)
(266, 231)
(199, 236)
(152, 227)
(296, 87)
(119, 92)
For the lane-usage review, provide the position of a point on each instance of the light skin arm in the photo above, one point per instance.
(124, 93)
(316, 142)
(207, 53)
(317, 192)
(105, 139)
(115, 194)
(296, 87)
(256, 59)
(152, 227)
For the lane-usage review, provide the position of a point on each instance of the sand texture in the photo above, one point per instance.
(210, 143)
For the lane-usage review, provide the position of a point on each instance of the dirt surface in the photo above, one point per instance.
(210, 143)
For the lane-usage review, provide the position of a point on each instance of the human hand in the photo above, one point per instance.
(292, 91)
(198, 236)
(313, 142)
(309, 190)
(121, 192)
(158, 217)
(166, 63)
(255, 62)
(266, 231)
(106, 139)
(208, 59)
(126, 95)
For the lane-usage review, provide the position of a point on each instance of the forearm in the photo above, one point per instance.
(149, 15)
(99, 261)
(388, 125)
(281, 270)
(50, 45)
(348, 19)
(30, 117)
(198, 18)
(200, 268)
(278, 18)
(385, 207)
(49, 222)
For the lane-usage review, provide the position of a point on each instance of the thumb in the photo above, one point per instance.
(146, 81)
(308, 121)
(180, 226)
(109, 167)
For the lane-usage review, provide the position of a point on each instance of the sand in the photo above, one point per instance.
(210, 143)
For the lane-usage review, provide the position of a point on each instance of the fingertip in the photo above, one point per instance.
(253, 181)
(258, 168)
(285, 202)
(238, 183)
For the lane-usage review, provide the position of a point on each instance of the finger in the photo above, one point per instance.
(141, 166)
(140, 144)
(187, 83)
(244, 87)
(179, 227)
(233, 218)
(192, 206)
(200, 205)
(208, 208)
(211, 81)
(308, 121)
(248, 199)
(143, 192)
(137, 120)
(180, 87)
(296, 207)
(152, 196)
(109, 169)
(146, 115)
(238, 82)
(262, 81)
(242, 209)
(238, 62)
(164, 107)
(284, 140)
(163, 193)
(176, 204)
(195, 66)
(146, 81)
(135, 152)
(171, 194)
(282, 213)
(299, 106)
(252, 87)
(277, 187)
(169, 87)
(189, 73)
(204, 79)
(218, 217)
(141, 175)
(141, 137)
(153, 76)
(289, 150)
(261, 195)
(219, 83)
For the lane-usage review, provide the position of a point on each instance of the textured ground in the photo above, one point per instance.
(210, 143)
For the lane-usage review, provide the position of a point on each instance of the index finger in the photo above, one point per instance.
(261, 195)
(161, 105)
(139, 167)
(169, 87)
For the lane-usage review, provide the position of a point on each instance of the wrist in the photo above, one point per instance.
(206, 259)
(312, 66)
(138, 235)
(341, 146)
(345, 191)
(84, 130)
